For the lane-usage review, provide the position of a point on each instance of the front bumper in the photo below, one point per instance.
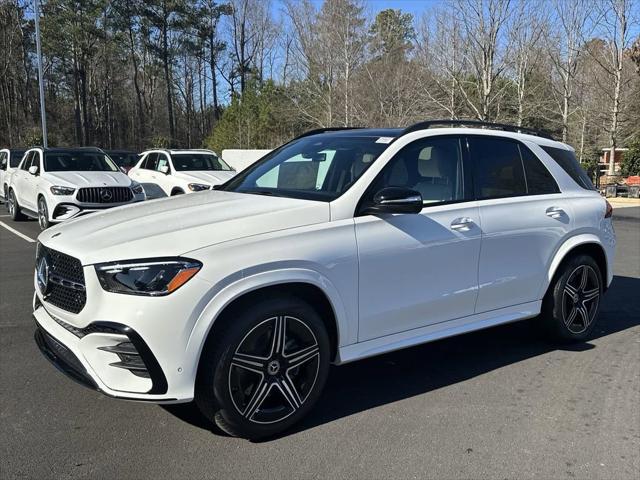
(92, 351)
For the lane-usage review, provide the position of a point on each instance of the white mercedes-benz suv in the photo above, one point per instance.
(339, 245)
(58, 184)
(181, 171)
(9, 161)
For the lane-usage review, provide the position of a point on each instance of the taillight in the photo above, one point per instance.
(609, 211)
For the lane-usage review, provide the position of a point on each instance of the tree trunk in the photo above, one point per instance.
(167, 75)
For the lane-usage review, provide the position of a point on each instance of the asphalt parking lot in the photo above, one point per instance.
(501, 403)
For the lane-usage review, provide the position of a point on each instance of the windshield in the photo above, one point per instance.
(319, 167)
(126, 160)
(198, 161)
(78, 162)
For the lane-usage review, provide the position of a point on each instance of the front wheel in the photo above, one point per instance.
(570, 308)
(43, 214)
(266, 370)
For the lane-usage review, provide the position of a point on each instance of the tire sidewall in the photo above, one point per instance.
(228, 345)
(44, 224)
(556, 305)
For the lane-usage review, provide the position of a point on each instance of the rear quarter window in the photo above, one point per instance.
(567, 160)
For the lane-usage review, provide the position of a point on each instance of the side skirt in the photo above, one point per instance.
(437, 331)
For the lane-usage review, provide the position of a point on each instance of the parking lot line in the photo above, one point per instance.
(13, 230)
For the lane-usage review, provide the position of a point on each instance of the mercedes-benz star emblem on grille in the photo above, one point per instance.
(105, 195)
(42, 275)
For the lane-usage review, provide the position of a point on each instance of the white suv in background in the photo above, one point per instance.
(9, 161)
(181, 171)
(57, 184)
(337, 246)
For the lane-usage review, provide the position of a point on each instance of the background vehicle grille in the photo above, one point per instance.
(65, 286)
(105, 195)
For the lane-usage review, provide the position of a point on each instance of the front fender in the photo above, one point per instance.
(225, 292)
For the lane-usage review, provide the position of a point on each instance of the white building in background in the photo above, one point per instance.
(240, 159)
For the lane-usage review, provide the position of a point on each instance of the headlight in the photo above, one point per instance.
(198, 187)
(146, 277)
(58, 190)
(136, 188)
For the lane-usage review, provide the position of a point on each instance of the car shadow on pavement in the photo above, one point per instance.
(391, 377)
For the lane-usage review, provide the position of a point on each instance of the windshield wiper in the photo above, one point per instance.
(256, 191)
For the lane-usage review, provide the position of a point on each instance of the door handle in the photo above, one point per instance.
(462, 224)
(555, 212)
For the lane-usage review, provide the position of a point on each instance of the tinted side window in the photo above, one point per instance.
(3, 161)
(15, 157)
(498, 169)
(539, 180)
(567, 160)
(27, 161)
(431, 166)
(163, 161)
(151, 161)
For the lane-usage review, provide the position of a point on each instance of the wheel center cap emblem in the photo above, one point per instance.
(273, 367)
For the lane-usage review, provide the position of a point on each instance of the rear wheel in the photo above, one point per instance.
(265, 371)
(43, 214)
(14, 208)
(570, 308)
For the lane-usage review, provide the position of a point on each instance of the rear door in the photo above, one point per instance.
(524, 218)
(142, 174)
(4, 164)
(21, 178)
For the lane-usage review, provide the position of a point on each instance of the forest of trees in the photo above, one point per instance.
(254, 73)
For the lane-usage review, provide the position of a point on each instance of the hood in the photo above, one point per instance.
(87, 179)
(177, 225)
(211, 177)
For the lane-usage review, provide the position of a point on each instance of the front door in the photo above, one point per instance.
(420, 269)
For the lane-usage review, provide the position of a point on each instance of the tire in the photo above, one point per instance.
(43, 214)
(14, 208)
(570, 307)
(253, 385)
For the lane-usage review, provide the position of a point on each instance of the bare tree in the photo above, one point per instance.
(616, 17)
(525, 34)
(482, 22)
(565, 41)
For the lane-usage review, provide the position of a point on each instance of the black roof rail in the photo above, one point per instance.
(476, 123)
(324, 130)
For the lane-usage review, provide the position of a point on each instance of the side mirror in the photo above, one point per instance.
(164, 169)
(396, 200)
(33, 169)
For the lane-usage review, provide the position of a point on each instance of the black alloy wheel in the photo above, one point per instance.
(266, 369)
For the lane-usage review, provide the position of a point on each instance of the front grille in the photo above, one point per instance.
(64, 286)
(104, 195)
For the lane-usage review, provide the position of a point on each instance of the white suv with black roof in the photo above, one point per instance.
(58, 184)
(339, 245)
(181, 171)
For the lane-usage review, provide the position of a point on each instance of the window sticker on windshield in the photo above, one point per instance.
(384, 140)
